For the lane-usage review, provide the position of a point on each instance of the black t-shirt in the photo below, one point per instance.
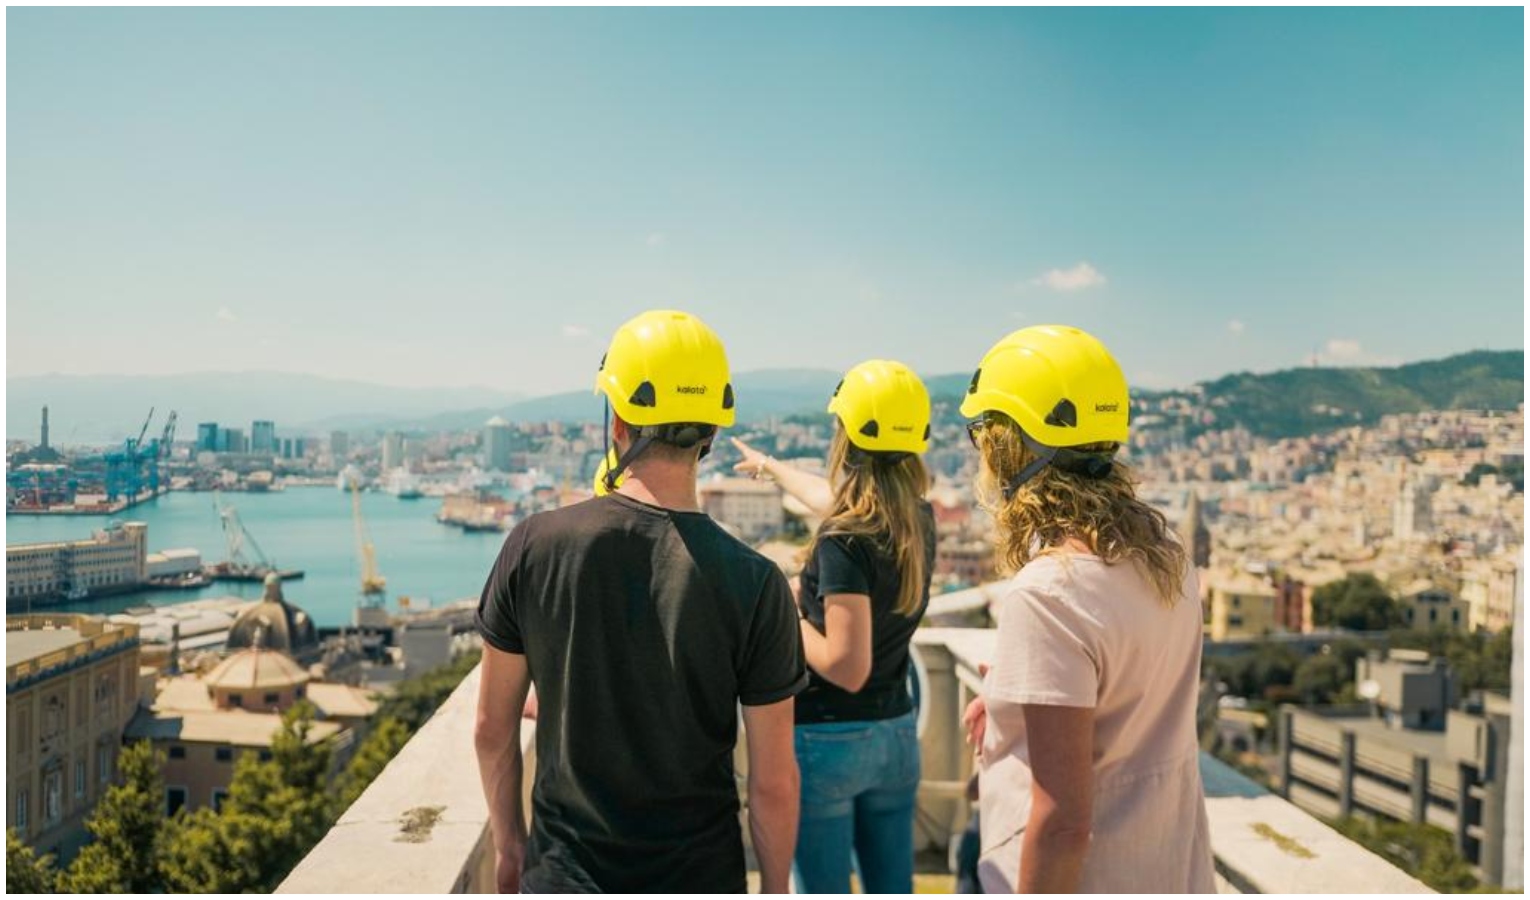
(642, 629)
(843, 564)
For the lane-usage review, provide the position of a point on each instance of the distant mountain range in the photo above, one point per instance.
(93, 409)
(98, 409)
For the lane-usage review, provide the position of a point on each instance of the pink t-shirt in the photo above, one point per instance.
(1076, 632)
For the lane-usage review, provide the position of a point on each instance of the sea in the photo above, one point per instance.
(308, 528)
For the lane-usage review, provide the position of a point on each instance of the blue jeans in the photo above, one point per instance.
(858, 786)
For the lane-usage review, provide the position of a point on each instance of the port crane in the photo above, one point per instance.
(372, 583)
(238, 537)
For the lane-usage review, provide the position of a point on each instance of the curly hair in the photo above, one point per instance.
(1056, 505)
(880, 501)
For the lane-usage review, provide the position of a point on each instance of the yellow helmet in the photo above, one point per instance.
(665, 367)
(600, 474)
(884, 408)
(1059, 384)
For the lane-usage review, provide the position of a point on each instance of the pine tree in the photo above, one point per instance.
(25, 871)
(127, 826)
(387, 738)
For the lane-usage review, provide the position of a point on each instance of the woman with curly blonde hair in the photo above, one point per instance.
(1086, 723)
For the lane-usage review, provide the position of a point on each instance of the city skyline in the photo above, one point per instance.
(217, 188)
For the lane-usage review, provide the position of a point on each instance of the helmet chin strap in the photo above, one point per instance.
(1089, 465)
(642, 437)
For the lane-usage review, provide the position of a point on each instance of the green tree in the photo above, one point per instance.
(1358, 602)
(388, 736)
(1480, 661)
(127, 826)
(208, 852)
(1320, 677)
(275, 811)
(415, 700)
(289, 791)
(25, 871)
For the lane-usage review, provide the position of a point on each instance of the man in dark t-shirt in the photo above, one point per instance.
(643, 625)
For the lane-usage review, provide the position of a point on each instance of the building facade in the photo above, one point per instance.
(752, 508)
(111, 559)
(263, 436)
(497, 445)
(71, 686)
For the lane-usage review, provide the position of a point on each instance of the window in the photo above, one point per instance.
(175, 798)
(235, 700)
(177, 751)
(53, 796)
(1234, 621)
(79, 779)
(104, 764)
(218, 796)
(21, 811)
(272, 699)
(265, 756)
(224, 754)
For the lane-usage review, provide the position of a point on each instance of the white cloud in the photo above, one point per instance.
(1078, 278)
(575, 332)
(1343, 349)
(226, 315)
(656, 239)
(1236, 327)
(1347, 352)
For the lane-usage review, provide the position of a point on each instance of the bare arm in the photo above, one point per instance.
(774, 786)
(813, 490)
(503, 684)
(1061, 743)
(842, 654)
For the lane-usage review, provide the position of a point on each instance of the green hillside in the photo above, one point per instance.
(1304, 401)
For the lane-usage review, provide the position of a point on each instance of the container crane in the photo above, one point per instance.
(372, 583)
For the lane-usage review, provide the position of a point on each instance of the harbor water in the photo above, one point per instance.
(308, 528)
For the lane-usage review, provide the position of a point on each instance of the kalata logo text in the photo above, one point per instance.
(691, 389)
(1106, 407)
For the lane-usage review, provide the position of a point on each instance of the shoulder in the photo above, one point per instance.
(1062, 588)
(716, 549)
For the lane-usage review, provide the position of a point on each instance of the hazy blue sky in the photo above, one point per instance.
(481, 196)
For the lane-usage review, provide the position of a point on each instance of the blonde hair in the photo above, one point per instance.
(1055, 505)
(880, 500)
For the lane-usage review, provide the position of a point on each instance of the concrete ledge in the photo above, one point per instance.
(422, 826)
(1266, 845)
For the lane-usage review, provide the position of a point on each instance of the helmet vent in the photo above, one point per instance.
(602, 366)
(972, 388)
(1063, 415)
(837, 388)
(728, 396)
(645, 395)
(870, 429)
(926, 432)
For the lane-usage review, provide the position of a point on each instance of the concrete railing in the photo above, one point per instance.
(421, 827)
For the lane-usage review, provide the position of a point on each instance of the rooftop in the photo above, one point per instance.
(36, 644)
(25, 646)
(237, 727)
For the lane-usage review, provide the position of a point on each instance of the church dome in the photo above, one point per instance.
(256, 668)
(274, 624)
